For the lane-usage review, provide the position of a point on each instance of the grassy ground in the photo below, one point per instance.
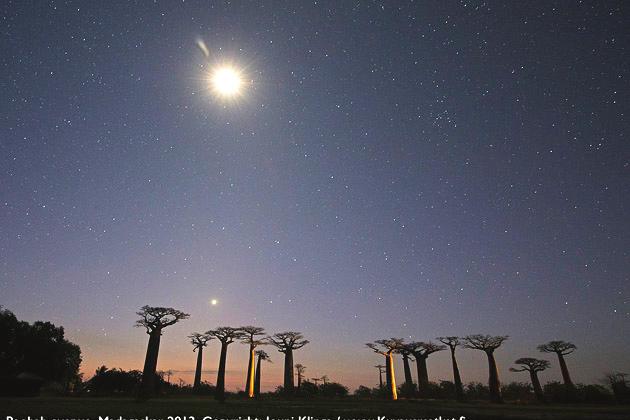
(92, 408)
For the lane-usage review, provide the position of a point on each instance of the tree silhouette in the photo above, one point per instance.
(405, 352)
(452, 342)
(199, 341)
(299, 368)
(262, 355)
(488, 344)
(381, 369)
(250, 333)
(226, 335)
(386, 348)
(533, 366)
(154, 319)
(421, 352)
(561, 348)
(286, 342)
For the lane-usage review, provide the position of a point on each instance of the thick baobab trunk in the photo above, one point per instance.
(220, 388)
(459, 388)
(257, 379)
(423, 375)
(380, 378)
(493, 379)
(249, 386)
(536, 385)
(299, 384)
(391, 377)
(565, 371)
(150, 364)
(197, 382)
(288, 371)
(408, 379)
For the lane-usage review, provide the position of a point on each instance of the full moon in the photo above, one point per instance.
(213, 302)
(226, 82)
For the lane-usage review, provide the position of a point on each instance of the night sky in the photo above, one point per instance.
(390, 169)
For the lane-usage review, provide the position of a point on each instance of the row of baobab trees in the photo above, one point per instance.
(155, 319)
(486, 343)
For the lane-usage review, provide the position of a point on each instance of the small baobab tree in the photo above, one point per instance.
(533, 366)
(154, 319)
(387, 348)
(488, 344)
(561, 348)
(287, 342)
(226, 335)
(381, 369)
(299, 369)
(262, 355)
(421, 351)
(452, 342)
(199, 341)
(249, 337)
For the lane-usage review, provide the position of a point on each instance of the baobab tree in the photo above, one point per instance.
(421, 351)
(250, 333)
(381, 369)
(286, 342)
(533, 366)
(405, 352)
(452, 342)
(488, 344)
(386, 348)
(300, 369)
(561, 348)
(199, 341)
(154, 319)
(226, 335)
(262, 355)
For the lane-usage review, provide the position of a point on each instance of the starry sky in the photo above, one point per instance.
(406, 169)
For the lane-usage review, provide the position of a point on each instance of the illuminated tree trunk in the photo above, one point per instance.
(257, 379)
(391, 377)
(565, 371)
(423, 375)
(220, 388)
(197, 382)
(536, 385)
(288, 371)
(459, 388)
(150, 364)
(493, 379)
(249, 386)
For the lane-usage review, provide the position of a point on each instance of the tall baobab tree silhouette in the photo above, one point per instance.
(386, 348)
(421, 351)
(154, 319)
(299, 368)
(533, 366)
(381, 369)
(226, 335)
(199, 341)
(405, 352)
(488, 344)
(286, 342)
(262, 355)
(250, 333)
(452, 342)
(561, 348)
(324, 379)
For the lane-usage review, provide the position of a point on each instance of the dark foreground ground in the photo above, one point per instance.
(92, 408)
